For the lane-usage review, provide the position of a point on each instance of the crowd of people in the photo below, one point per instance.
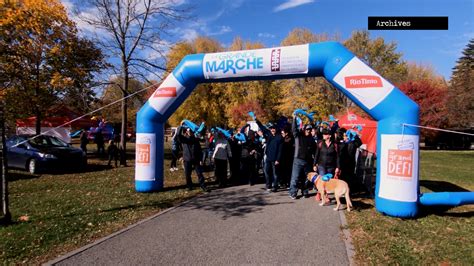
(284, 152)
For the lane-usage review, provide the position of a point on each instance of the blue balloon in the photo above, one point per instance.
(326, 177)
(298, 121)
(224, 132)
(252, 115)
(240, 137)
(351, 134)
(191, 125)
(201, 128)
(303, 112)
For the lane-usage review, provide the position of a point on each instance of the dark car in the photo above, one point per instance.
(43, 153)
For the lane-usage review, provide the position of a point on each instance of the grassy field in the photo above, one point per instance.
(67, 211)
(440, 236)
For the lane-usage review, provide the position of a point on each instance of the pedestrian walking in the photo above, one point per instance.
(222, 154)
(303, 158)
(84, 140)
(192, 157)
(273, 142)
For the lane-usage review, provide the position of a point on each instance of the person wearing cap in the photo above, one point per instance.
(273, 144)
(192, 156)
(303, 157)
(326, 159)
(222, 153)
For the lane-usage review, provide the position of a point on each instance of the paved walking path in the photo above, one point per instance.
(237, 225)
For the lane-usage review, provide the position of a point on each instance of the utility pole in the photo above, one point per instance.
(7, 217)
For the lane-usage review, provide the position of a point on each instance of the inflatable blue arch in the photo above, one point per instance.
(397, 188)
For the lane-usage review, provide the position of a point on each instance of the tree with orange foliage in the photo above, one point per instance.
(43, 58)
(432, 99)
(240, 115)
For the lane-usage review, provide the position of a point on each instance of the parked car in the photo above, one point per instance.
(43, 153)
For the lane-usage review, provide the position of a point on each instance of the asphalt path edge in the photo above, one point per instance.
(347, 238)
(88, 246)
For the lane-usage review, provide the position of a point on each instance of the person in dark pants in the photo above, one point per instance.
(303, 157)
(248, 159)
(326, 159)
(348, 143)
(273, 155)
(113, 153)
(192, 157)
(84, 141)
(287, 152)
(222, 154)
(99, 140)
(175, 147)
(234, 162)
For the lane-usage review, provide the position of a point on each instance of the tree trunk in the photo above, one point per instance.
(38, 120)
(37, 95)
(123, 134)
(4, 184)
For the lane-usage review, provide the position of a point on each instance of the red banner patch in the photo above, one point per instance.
(143, 153)
(364, 81)
(400, 163)
(165, 92)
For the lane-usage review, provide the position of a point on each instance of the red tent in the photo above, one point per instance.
(57, 116)
(369, 128)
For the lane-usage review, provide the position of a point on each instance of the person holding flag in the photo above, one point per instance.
(192, 156)
(273, 149)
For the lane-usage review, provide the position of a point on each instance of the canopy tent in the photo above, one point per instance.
(56, 117)
(49, 125)
(368, 134)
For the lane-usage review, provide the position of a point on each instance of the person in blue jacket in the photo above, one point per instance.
(273, 149)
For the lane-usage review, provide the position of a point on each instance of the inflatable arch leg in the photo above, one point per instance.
(397, 164)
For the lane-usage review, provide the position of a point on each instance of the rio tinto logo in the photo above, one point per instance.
(275, 60)
(364, 81)
(165, 92)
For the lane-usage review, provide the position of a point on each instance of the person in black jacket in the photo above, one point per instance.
(348, 143)
(248, 159)
(234, 161)
(84, 141)
(192, 156)
(273, 155)
(304, 150)
(326, 159)
(287, 152)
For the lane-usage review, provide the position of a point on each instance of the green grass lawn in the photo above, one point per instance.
(67, 211)
(438, 236)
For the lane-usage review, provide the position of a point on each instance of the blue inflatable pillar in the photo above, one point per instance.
(149, 151)
(397, 163)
